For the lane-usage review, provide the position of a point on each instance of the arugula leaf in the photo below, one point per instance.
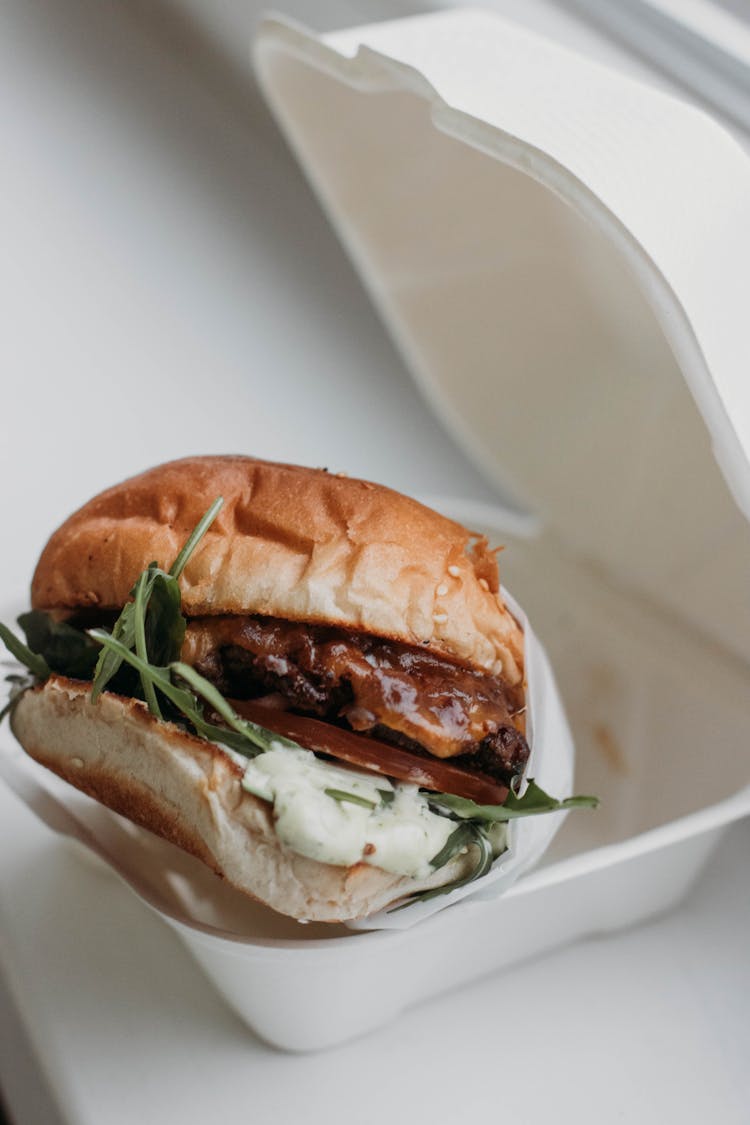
(109, 661)
(146, 578)
(352, 798)
(466, 835)
(166, 630)
(474, 821)
(158, 677)
(35, 662)
(195, 537)
(258, 735)
(241, 735)
(458, 841)
(532, 802)
(53, 646)
(67, 650)
(19, 685)
(165, 625)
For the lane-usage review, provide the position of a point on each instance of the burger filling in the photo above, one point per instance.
(399, 693)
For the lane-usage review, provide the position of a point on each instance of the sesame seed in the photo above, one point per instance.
(454, 571)
(440, 618)
(442, 590)
(484, 583)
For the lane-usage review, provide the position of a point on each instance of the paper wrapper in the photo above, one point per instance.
(180, 887)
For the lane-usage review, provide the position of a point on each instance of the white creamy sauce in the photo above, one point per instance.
(398, 834)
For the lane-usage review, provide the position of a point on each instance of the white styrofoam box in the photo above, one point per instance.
(563, 256)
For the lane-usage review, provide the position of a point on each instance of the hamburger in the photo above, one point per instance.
(309, 682)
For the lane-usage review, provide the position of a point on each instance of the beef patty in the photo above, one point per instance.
(400, 693)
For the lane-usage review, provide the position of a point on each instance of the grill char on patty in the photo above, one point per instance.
(398, 693)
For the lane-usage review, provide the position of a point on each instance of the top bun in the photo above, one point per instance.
(291, 542)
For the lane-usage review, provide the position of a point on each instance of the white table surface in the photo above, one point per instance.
(649, 1026)
(169, 286)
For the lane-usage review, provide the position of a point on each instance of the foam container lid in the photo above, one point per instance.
(563, 257)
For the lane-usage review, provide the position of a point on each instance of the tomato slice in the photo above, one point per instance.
(372, 754)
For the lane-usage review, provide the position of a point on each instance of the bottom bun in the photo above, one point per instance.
(189, 792)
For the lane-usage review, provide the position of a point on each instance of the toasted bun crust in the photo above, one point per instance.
(295, 543)
(188, 791)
